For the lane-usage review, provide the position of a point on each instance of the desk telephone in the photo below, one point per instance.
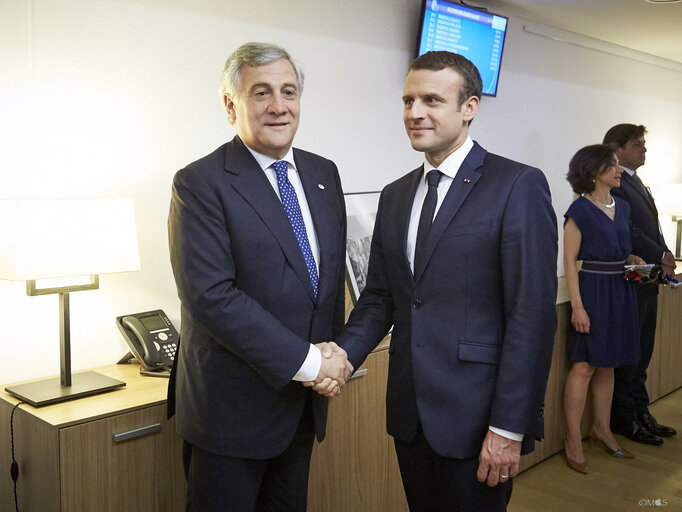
(151, 337)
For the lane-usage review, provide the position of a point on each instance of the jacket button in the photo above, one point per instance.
(417, 303)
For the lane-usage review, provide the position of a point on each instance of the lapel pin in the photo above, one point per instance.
(320, 186)
(466, 180)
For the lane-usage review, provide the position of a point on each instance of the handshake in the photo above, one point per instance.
(335, 370)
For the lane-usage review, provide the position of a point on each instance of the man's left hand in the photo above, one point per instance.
(499, 459)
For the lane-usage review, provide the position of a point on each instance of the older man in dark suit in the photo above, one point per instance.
(257, 242)
(630, 414)
(463, 263)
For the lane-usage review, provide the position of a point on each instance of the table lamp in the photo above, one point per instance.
(52, 244)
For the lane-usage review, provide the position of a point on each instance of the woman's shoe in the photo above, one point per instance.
(619, 453)
(580, 467)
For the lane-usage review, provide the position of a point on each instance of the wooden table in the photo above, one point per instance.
(110, 452)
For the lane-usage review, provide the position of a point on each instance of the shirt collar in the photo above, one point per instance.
(266, 161)
(629, 171)
(453, 162)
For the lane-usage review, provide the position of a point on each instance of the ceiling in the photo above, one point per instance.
(637, 24)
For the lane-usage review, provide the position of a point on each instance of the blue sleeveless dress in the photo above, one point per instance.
(609, 300)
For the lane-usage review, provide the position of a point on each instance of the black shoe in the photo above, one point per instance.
(636, 432)
(650, 423)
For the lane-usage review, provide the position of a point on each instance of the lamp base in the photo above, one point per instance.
(51, 391)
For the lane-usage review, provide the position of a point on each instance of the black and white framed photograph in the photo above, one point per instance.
(361, 211)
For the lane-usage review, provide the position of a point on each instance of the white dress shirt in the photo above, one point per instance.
(449, 168)
(311, 366)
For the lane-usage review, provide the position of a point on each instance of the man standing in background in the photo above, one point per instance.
(463, 263)
(257, 235)
(630, 414)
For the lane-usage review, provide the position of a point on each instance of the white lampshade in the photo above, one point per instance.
(48, 238)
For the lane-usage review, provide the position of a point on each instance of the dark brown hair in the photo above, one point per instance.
(621, 134)
(436, 61)
(588, 163)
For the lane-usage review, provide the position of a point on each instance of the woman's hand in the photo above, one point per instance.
(633, 259)
(580, 320)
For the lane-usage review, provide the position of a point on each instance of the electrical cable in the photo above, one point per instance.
(482, 9)
(14, 469)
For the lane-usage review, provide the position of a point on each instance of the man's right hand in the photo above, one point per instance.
(335, 370)
(668, 264)
(580, 320)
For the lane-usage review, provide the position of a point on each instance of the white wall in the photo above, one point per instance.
(108, 98)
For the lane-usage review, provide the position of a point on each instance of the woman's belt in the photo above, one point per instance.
(603, 267)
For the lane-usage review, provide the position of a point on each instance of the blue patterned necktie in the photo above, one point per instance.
(426, 217)
(293, 209)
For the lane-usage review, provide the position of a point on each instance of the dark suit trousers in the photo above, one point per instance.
(630, 397)
(435, 484)
(217, 483)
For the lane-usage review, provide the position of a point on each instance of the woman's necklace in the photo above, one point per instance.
(599, 203)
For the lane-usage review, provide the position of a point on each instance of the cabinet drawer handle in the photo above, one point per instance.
(138, 432)
(360, 373)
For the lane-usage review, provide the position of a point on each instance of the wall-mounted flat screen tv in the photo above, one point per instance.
(477, 35)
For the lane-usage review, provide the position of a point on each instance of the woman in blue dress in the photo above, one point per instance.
(604, 331)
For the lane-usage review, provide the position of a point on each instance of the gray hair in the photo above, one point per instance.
(253, 54)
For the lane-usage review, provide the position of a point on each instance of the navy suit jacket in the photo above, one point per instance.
(647, 241)
(248, 310)
(474, 328)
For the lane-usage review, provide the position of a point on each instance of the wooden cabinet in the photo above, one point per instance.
(356, 468)
(664, 375)
(110, 452)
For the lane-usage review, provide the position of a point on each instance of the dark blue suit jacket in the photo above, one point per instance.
(248, 309)
(647, 241)
(474, 328)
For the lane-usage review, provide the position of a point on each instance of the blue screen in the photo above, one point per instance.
(478, 36)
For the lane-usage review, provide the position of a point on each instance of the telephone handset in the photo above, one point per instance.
(151, 337)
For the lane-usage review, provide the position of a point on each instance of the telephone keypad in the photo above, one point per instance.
(170, 349)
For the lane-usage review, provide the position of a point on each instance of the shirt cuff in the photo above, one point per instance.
(310, 368)
(505, 433)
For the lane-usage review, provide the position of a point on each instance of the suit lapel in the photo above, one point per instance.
(404, 212)
(252, 184)
(320, 192)
(639, 187)
(462, 184)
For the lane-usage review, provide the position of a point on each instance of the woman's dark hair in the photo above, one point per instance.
(588, 163)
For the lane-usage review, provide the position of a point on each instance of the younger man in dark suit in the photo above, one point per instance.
(464, 266)
(630, 407)
(257, 242)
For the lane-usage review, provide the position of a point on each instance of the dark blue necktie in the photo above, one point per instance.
(426, 217)
(293, 209)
